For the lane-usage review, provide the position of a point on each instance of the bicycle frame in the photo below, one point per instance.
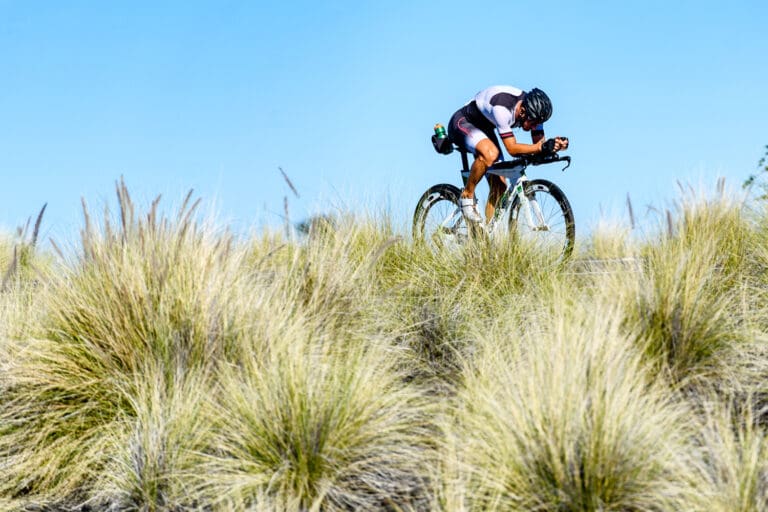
(514, 172)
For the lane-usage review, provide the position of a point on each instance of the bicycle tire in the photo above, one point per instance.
(559, 237)
(437, 220)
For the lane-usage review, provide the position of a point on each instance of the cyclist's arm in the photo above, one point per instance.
(504, 119)
(537, 136)
(516, 148)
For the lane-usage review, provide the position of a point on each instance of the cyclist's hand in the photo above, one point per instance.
(561, 143)
(549, 147)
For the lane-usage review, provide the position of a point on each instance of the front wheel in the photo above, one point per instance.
(438, 221)
(544, 220)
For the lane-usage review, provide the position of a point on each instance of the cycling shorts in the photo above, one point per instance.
(468, 126)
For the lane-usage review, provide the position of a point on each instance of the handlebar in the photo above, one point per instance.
(444, 146)
(535, 159)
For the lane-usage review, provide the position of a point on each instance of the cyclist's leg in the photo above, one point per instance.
(497, 184)
(486, 153)
(476, 141)
(472, 139)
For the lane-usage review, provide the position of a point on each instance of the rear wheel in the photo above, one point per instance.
(545, 221)
(437, 220)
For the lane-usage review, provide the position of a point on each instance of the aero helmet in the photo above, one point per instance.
(537, 105)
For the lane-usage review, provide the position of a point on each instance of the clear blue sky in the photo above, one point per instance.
(342, 95)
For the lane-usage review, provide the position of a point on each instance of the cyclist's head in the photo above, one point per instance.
(537, 106)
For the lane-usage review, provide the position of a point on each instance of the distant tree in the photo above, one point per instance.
(317, 224)
(762, 170)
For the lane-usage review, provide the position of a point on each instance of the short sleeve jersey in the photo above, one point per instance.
(497, 103)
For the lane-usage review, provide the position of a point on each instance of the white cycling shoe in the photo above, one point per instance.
(469, 210)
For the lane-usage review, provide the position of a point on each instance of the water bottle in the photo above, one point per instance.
(440, 140)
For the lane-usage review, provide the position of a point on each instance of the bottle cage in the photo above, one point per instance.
(443, 145)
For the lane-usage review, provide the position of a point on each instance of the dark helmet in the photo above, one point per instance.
(537, 105)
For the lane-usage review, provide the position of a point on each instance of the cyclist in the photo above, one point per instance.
(502, 108)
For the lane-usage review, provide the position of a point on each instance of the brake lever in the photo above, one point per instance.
(567, 159)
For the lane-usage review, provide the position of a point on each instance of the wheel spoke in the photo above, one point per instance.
(438, 221)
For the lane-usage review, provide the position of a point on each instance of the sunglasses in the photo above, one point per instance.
(524, 117)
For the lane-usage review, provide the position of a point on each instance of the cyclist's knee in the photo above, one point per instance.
(487, 152)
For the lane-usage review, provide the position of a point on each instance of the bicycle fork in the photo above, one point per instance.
(530, 206)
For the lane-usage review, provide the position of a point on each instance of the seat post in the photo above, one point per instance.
(465, 167)
(464, 161)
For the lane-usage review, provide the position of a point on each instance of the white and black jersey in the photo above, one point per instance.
(497, 104)
(491, 110)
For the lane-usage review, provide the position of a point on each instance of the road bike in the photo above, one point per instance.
(538, 213)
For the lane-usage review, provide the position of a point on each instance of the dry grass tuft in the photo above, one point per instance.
(164, 364)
